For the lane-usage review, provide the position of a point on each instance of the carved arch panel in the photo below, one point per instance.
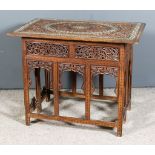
(38, 64)
(79, 68)
(113, 71)
(105, 70)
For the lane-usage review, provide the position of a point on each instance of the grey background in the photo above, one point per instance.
(10, 48)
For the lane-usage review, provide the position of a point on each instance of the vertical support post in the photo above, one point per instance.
(125, 92)
(38, 89)
(73, 75)
(47, 84)
(87, 91)
(101, 84)
(121, 91)
(26, 84)
(130, 75)
(127, 56)
(56, 88)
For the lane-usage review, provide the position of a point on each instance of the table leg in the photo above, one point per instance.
(26, 84)
(38, 90)
(101, 84)
(47, 84)
(121, 92)
(73, 75)
(126, 92)
(26, 92)
(56, 88)
(87, 78)
(130, 76)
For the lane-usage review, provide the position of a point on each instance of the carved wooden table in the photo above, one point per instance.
(87, 47)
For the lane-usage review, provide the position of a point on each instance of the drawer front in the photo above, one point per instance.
(97, 52)
(71, 49)
(48, 48)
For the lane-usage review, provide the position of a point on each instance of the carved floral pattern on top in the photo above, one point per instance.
(97, 52)
(46, 48)
(82, 29)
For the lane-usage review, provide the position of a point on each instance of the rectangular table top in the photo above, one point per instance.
(93, 31)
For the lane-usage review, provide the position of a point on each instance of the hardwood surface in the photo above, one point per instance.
(93, 31)
(89, 48)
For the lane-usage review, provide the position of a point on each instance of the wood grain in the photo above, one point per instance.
(89, 56)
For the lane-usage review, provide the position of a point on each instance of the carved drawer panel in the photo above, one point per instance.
(47, 49)
(97, 52)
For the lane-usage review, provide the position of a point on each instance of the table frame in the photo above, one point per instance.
(55, 65)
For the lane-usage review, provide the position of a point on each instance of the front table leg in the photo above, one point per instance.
(87, 91)
(26, 84)
(26, 91)
(56, 88)
(130, 76)
(121, 92)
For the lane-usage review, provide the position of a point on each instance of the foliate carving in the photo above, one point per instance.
(97, 52)
(39, 64)
(95, 70)
(72, 67)
(113, 71)
(49, 49)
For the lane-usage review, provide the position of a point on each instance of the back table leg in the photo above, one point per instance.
(101, 84)
(38, 90)
(73, 74)
(47, 84)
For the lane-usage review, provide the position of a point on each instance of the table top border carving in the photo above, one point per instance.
(133, 38)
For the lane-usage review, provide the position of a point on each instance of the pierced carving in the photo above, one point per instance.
(49, 49)
(97, 52)
(72, 67)
(38, 64)
(113, 71)
(95, 70)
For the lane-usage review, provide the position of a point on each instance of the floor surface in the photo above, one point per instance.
(138, 129)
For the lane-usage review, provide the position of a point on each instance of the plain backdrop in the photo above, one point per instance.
(10, 48)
